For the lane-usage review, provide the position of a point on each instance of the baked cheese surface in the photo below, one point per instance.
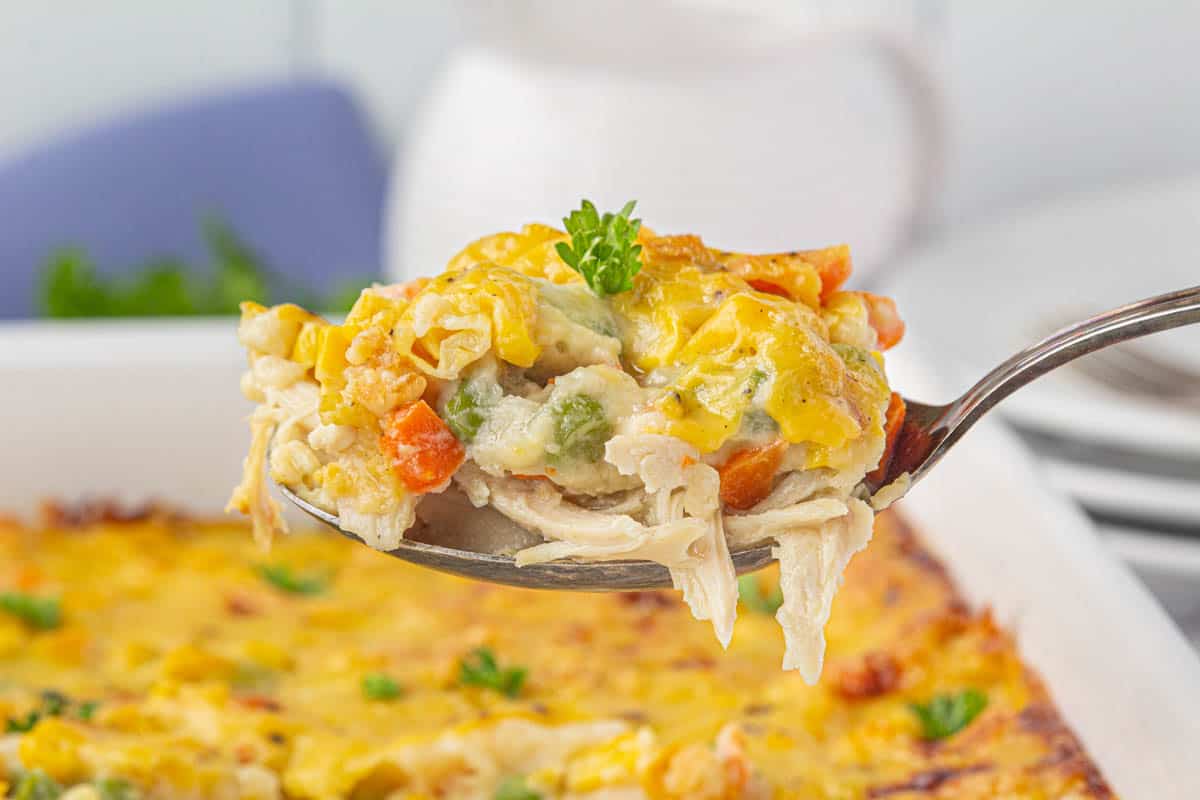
(186, 662)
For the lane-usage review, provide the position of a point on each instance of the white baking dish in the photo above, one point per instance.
(143, 409)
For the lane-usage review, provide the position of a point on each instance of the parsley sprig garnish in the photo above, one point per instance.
(603, 249)
(43, 613)
(480, 668)
(947, 714)
(756, 598)
(281, 577)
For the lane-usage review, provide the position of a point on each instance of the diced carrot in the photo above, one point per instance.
(893, 422)
(883, 317)
(29, 577)
(244, 753)
(413, 288)
(258, 702)
(833, 265)
(404, 291)
(423, 450)
(748, 475)
(768, 287)
(240, 606)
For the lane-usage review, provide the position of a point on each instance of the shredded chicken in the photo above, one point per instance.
(793, 488)
(658, 460)
(252, 496)
(747, 529)
(892, 492)
(683, 490)
(811, 563)
(383, 531)
(472, 763)
(579, 533)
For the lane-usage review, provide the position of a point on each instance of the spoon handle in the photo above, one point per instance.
(1166, 311)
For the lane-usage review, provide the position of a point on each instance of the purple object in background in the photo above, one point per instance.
(290, 167)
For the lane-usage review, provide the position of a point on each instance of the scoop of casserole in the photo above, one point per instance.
(612, 393)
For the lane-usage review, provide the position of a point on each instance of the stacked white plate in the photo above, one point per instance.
(1131, 460)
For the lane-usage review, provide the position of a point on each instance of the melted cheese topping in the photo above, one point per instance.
(211, 682)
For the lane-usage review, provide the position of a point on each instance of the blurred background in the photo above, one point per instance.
(1002, 169)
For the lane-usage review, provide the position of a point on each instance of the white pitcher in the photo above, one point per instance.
(763, 130)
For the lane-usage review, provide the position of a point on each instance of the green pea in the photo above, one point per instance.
(581, 428)
(465, 412)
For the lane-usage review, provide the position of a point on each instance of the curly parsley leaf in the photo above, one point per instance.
(480, 668)
(603, 249)
(380, 686)
(947, 714)
(281, 577)
(755, 597)
(515, 788)
(42, 613)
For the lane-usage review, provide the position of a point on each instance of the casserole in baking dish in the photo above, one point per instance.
(163, 657)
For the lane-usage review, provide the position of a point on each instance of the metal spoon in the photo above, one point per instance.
(929, 431)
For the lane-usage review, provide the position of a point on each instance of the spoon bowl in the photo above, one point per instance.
(927, 433)
(581, 576)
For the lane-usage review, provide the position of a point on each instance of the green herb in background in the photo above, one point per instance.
(343, 296)
(53, 704)
(115, 789)
(515, 788)
(22, 724)
(281, 577)
(239, 274)
(36, 785)
(481, 669)
(756, 598)
(71, 286)
(947, 714)
(43, 613)
(380, 686)
(603, 249)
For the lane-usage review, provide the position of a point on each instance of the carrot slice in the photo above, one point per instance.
(423, 450)
(883, 317)
(747, 477)
(833, 265)
(768, 287)
(893, 422)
